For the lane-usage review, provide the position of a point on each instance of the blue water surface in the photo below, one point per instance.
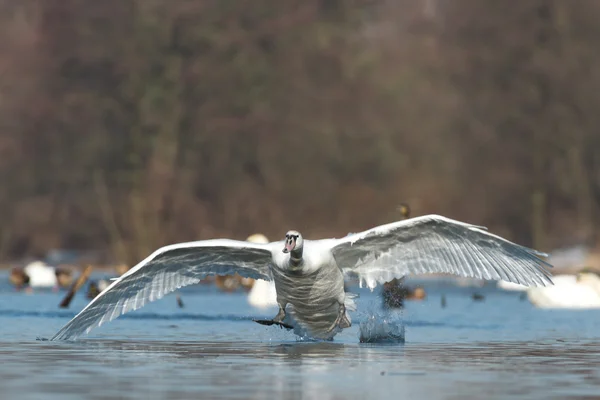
(495, 348)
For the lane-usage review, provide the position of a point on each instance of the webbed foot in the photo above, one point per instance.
(277, 320)
(270, 322)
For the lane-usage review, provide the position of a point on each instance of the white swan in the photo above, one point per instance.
(41, 275)
(569, 291)
(308, 274)
(263, 293)
(512, 287)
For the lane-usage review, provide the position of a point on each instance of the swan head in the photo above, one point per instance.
(293, 241)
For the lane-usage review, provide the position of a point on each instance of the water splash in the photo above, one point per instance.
(382, 327)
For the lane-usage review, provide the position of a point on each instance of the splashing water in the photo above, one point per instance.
(380, 327)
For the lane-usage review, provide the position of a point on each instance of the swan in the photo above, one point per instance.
(569, 291)
(263, 294)
(309, 274)
(40, 274)
(511, 287)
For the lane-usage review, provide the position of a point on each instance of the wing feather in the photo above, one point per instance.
(435, 244)
(165, 271)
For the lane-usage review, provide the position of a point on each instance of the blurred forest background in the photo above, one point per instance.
(129, 124)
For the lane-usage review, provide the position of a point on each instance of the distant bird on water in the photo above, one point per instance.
(38, 274)
(309, 274)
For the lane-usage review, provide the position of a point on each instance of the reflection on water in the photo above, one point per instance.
(156, 369)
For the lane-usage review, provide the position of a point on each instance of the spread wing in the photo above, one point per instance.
(166, 270)
(435, 244)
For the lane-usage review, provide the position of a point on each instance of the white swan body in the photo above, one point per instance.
(315, 290)
(309, 275)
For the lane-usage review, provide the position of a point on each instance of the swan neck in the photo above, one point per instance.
(296, 257)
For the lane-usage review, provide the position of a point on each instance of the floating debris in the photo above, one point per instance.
(76, 286)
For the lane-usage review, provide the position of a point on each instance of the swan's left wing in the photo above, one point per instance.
(166, 270)
(435, 244)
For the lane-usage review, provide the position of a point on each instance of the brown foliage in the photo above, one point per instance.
(130, 124)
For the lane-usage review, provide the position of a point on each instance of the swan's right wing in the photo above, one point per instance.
(435, 244)
(166, 270)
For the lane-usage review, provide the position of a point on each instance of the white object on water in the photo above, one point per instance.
(569, 291)
(263, 293)
(257, 238)
(40, 275)
(511, 287)
(309, 274)
(103, 284)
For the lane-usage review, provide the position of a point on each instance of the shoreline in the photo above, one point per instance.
(74, 268)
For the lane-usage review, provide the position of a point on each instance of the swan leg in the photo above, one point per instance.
(342, 320)
(281, 314)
